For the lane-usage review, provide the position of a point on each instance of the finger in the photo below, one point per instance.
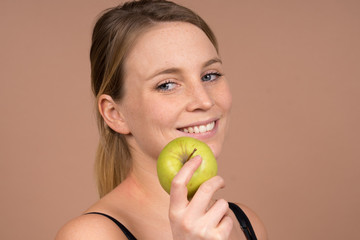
(204, 194)
(217, 212)
(178, 190)
(225, 226)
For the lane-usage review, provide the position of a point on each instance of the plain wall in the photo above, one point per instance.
(292, 154)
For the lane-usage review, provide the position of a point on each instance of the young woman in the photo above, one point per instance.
(157, 75)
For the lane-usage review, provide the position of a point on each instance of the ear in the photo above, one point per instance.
(110, 111)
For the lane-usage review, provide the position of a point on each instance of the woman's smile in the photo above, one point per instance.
(200, 130)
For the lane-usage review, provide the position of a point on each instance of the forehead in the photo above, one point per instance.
(172, 44)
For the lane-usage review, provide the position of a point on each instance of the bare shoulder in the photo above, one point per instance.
(90, 227)
(256, 222)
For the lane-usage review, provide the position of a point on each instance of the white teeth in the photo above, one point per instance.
(191, 130)
(210, 126)
(196, 130)
(200, 128)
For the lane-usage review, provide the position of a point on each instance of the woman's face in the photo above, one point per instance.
(174, 87)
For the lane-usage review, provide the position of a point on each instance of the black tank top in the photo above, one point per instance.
(239, 213)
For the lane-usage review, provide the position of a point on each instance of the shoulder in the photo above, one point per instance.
(256, 222)
(90, 227)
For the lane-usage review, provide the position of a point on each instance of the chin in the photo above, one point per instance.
(216, 148)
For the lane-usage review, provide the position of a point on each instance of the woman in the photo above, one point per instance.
(156, 75)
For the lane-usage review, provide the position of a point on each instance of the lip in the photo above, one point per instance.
(200, 123)
(201, 135)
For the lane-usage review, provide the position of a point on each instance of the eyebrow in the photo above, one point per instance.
(178, 70)
(212, 61)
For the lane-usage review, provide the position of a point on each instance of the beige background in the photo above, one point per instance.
(292, 154)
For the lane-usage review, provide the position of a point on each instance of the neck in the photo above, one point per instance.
(142, 184)
(141, 201)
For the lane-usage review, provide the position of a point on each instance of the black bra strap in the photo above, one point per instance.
(240, 215)
(127, 233)
(244, 221)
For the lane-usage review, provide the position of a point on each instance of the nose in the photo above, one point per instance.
(199, 98)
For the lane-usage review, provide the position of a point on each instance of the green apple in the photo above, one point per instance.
(176, 153)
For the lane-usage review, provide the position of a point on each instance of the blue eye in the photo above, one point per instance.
(167, 86)
(211, 77)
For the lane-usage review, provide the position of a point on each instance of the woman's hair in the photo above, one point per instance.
(114, 34)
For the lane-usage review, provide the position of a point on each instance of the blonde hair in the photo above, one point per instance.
(113, 36)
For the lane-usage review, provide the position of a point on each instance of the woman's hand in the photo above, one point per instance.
(197, 219)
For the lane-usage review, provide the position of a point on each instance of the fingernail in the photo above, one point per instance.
(198, 158)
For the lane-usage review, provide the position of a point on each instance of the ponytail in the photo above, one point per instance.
(112, 162)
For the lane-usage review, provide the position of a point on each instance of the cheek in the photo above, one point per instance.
(152, 124)
(223, 97)
(224, 102)
(152, 112)
(227, 100)
(162, 111)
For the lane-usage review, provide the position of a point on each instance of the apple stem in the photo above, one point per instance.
(191, 155)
